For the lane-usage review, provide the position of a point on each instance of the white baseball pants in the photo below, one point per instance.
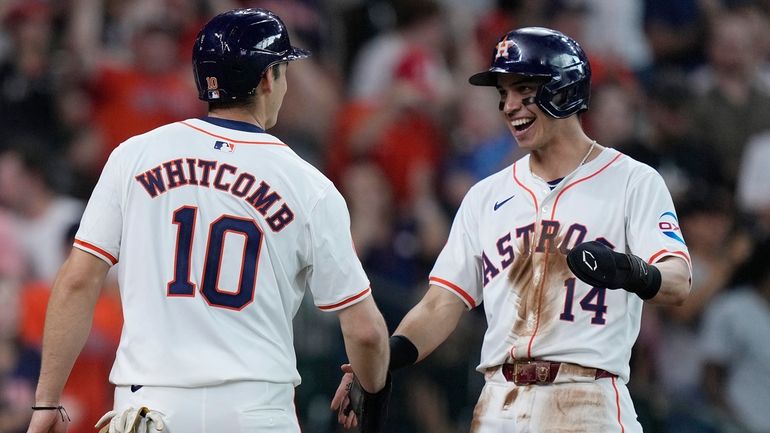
(570, 404)
(237, 407)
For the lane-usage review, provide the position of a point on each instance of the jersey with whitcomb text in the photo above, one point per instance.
(219, 229)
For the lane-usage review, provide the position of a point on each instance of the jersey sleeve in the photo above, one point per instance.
(458, 267)
(102, 222)
(336, 278)
(652, 225)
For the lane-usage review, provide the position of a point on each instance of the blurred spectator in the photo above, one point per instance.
(499, 20)
(393, 131)
(614, 116)
(148, 90)
(717, 248)
(88, 394)
(734, 104)
(12, 260)
(734, 338)
(573, 17)
(400, 93)
(19, 364)
(671, 145)
(754, 183)
(307, 20)
(315, 95)
(615, 30)
(674, 30)
(19, 369)
(481, 145)
(395, 245)
(414, 50)
(26, 75)
(41, 215)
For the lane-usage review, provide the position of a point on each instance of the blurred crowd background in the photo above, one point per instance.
(384, 109)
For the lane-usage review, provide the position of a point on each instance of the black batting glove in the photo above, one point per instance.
(596, 264)
(370, 409)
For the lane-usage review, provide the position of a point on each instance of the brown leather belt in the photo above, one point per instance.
(541, 372)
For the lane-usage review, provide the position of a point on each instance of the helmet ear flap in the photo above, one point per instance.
(567, 94)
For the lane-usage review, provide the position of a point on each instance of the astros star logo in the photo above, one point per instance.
(502, 48)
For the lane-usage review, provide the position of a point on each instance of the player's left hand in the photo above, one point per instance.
(131, 420)
(47, 421)
(341, 400)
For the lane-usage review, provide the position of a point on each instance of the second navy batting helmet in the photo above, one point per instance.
(235, 48)
(541, 52)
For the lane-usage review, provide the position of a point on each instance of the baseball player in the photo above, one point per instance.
(220, 228)
(562, 247)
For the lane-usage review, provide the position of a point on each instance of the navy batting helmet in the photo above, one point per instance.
(235, 48)
(541, 52)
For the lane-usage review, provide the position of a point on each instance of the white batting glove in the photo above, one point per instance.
(131, 421)
(155, 420)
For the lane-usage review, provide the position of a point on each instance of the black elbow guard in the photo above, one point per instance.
(596, 264)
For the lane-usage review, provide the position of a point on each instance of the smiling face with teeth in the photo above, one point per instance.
(531, 126)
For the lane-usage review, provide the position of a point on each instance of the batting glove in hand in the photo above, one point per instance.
(596, 264)
(371, 410)
(131, 420)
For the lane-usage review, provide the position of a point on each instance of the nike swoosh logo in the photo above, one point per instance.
(135, 388)
(500, 203)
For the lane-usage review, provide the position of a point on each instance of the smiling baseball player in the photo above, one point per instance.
(563, 247)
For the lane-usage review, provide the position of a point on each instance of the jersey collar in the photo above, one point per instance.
(232, 124)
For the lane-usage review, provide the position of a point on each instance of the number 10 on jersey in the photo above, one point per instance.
(181, 285)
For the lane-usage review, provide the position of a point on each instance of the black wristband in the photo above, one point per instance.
(61, 409)
(644, 279)
(403, 352)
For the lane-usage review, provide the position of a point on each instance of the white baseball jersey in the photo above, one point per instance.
(219, 229)
(508, 247)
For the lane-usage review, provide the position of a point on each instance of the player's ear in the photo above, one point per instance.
(267, 82)
(271, 75)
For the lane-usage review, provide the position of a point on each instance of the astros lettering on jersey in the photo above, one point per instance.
(244, 225)
(507, 248)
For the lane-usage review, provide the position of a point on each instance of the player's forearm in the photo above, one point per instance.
(67, 325)
(432, 320)
(366, 343)
(675, 282)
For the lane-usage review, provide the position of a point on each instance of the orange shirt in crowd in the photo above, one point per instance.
(88, 394)
(410, 143)
(128, 102)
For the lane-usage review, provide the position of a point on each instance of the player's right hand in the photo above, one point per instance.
(355, 405)
(131, 420)
(341, 400)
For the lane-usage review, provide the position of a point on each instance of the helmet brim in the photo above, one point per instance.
(297, 53)
(486, 78)
(489, 77)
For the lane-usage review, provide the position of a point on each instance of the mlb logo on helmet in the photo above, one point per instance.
(212, 87)
(224, 146)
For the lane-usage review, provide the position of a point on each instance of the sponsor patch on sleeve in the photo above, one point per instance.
(668, 224)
